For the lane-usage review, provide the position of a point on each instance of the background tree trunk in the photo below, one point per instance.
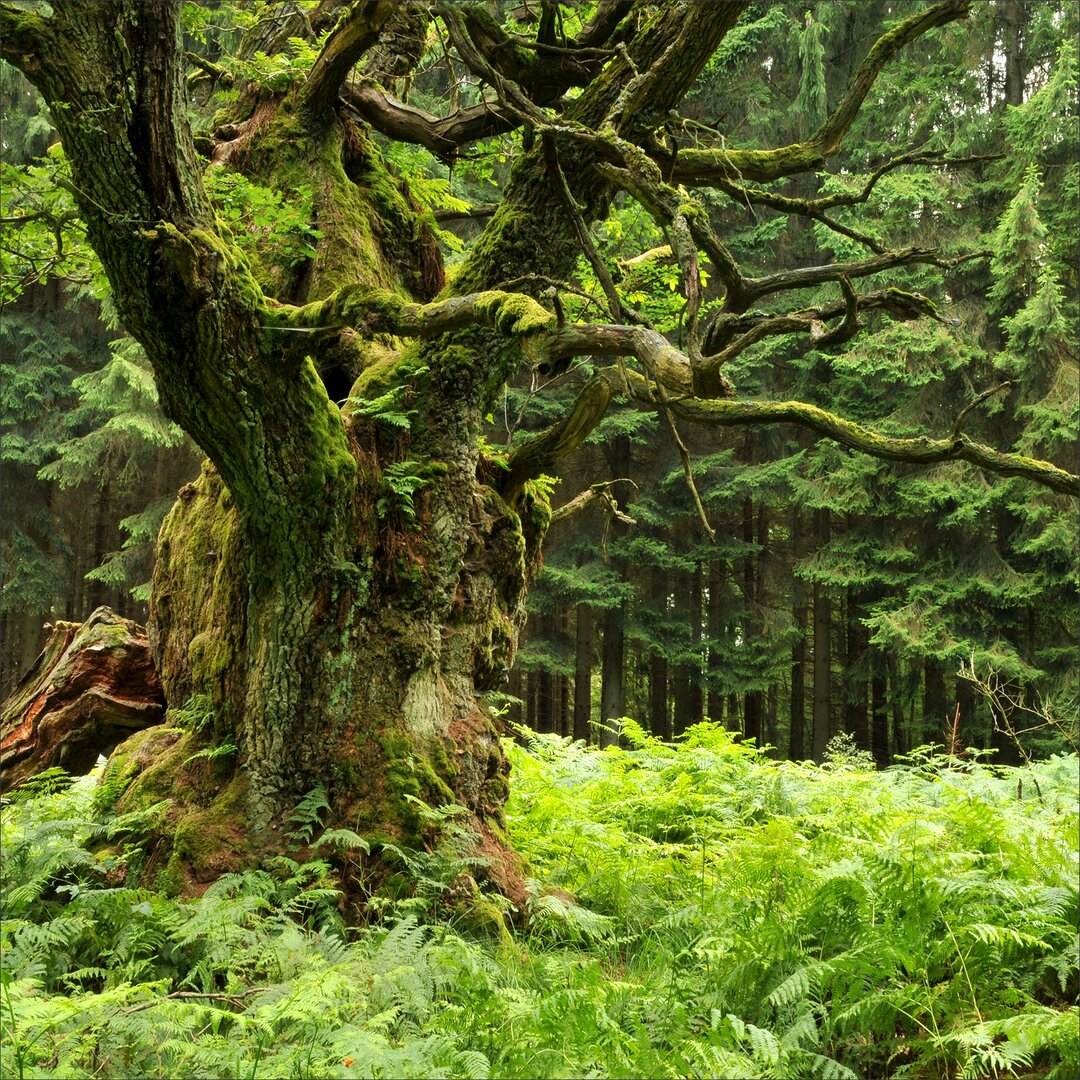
(822, 718)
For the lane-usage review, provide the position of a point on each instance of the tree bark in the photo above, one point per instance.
(752, 699)
(879, 730)
(857, 641)
(935, 710)
(613, 653)
(822, 716)
(612, 707)
(715, 623)
(797, 730)
(898, 744)
(583, 640)
(696, 703)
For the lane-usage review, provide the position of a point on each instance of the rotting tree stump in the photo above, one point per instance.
(93, 684)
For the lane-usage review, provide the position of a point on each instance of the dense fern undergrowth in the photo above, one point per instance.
(731, 916)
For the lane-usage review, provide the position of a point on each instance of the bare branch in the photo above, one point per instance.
(600, 493)
(805, 276)
(962, 415)
(603, 275)
(443, 136)
(684, 455)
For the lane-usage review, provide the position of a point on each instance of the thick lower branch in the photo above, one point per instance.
(382, 311)
(442, 135)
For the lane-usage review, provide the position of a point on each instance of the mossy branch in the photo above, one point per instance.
(355, 34)
(24, 37)
(702, 167)
(382, 311)
(915, 451)
(538, 454)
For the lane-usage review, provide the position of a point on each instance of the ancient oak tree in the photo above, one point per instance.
(338, 589)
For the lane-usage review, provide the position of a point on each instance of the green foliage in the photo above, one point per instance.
(269, 225)
(811, 104)
(399, 484)
(697, 910)
(307, 816)
(393, 407)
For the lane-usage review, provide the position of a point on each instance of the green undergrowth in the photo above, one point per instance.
(697, 911)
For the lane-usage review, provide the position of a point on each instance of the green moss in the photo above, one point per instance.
(409, 770)
(375, 380)
(214, 841)
(150, 760)
(514, 314)
(480, 915)
(199, 594)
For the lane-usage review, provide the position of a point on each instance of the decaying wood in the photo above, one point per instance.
(92, 685)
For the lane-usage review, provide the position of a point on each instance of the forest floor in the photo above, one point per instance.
(698, 910)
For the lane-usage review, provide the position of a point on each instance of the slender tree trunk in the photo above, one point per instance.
(797, 731)
(530, 699)
(583, 652)
(772, 729)
(822, 718)
(898, 743)
(935, 709)
(715, 623)
(752, 698)
(515, 688)
(611, 677)
(566, 714)
(613, 656)
(545, 718)
(682, 676)
(856, 720)
(879, 732)
(696, 703)
(659, 714)
(660, 723)
(1012, 26)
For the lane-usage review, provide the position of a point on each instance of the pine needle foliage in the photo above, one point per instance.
(697, 910)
